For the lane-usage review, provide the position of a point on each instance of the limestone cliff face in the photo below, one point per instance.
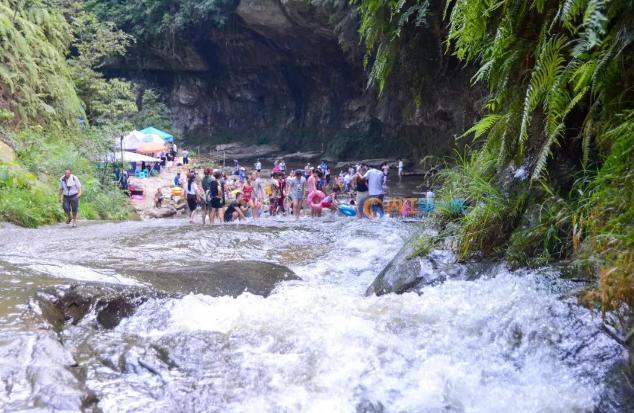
(290, 72)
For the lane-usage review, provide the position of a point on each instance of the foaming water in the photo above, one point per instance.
(509, 341)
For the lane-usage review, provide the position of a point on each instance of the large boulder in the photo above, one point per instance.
(218, 278)
(110, 304)
(163, 212)
(407, 272)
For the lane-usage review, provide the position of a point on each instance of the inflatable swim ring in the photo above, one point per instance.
(177, 191)
(393, 206)
(314, 199)
(373, 208)
(347, 210)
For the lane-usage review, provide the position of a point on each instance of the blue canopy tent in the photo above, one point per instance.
(153, 131)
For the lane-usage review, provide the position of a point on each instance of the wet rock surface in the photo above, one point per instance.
(219, 278)
(407, 273)
(110, 304)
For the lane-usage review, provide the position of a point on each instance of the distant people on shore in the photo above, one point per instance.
(185, 157)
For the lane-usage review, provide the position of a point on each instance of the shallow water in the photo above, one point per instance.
(508, 341)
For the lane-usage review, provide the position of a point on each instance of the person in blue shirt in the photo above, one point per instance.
(323, 166)
(177, 179)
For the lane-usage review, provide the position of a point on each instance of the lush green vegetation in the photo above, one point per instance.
(551, 177)
(60, 112)
(148, 19)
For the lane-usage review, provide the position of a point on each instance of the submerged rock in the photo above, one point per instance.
(163, 212)
(110, 304)
(219, 278)
(407, 273)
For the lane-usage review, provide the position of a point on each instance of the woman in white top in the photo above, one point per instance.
(193, 195)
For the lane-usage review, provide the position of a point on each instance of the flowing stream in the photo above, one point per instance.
(505, 342)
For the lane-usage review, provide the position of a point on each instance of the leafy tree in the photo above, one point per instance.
(152, 112)
(560, 78)
(381, 29)
(35, 81)
(106, 101)
(147, 19)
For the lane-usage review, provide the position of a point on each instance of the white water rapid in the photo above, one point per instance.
(506, 342)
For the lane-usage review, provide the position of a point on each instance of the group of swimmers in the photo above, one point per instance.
(225, 198)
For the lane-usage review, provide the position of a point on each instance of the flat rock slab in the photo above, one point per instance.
(218, 278)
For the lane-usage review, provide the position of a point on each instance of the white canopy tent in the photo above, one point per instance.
(131, 157)
(134, 139)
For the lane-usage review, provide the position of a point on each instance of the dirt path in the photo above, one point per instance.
(145, 207)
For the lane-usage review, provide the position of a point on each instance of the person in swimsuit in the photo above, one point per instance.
(361, 187)
(249, 198)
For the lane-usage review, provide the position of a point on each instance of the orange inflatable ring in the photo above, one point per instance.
(369, 209)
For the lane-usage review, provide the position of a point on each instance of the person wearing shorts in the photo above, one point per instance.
(361, 187)
(205, 199)
(297, 187)
(193, 195)
(70, 192)
(216, 202)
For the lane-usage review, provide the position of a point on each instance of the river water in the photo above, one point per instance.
(505, 342)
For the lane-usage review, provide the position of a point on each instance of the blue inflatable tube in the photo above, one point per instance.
(347, 210)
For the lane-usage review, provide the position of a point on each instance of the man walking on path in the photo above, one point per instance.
(400, 167)
(70, 192)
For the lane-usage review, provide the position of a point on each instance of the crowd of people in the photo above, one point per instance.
(242, 194)
(246, 194)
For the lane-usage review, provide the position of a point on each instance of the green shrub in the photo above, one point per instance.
(29, 208)
(424, 244)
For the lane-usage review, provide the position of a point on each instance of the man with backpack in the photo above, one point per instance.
(70, 192)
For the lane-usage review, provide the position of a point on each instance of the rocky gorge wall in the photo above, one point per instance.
(291, 72)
